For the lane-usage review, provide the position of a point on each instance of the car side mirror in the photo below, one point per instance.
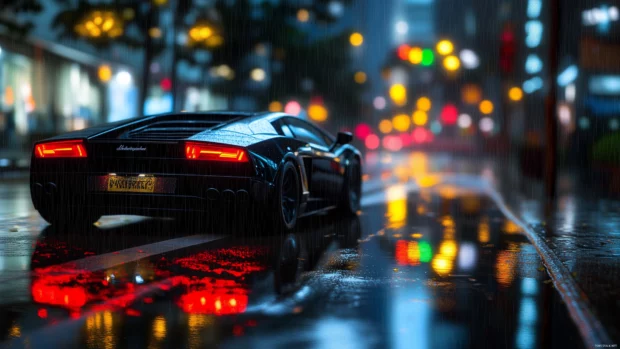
(344, 138)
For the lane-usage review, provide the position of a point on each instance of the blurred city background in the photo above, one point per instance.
(503, 77)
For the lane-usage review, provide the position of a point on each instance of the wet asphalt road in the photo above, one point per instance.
(436, 267)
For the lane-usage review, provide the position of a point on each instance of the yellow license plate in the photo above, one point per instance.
(131, 184)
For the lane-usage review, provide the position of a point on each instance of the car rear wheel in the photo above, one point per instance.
(286, 208)
(352, 191)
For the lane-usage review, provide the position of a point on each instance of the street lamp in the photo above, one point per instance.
(100, 24)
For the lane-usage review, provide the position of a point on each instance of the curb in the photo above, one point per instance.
(590, 328)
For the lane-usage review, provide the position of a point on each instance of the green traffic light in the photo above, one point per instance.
(428, 57)
(426, 253)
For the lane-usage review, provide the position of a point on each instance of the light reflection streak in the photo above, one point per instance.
(396, 206)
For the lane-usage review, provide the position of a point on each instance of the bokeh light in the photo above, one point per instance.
(275, 106)
(398, 93)
(104, 73)
(471, 94)
(424, 104)
(356, 39)
(464, 121)
(372, 142)
(486, 124)
(420, 118)
(360, 77)
(428, 57)
(317, 112)
(379, 103)
(449, 114)
(469, 59)
(362, 131)
(420, 135)
(293, 108)
(403, 51)
(401, 122)
(385, 126)
(515, 94)
(436, 127)
(451, 63)
(392, 143)
(303, 15)
(258, 74)
(445, 47)
(415, 55)
(486, 107)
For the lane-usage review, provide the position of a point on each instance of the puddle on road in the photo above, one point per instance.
(439, 268)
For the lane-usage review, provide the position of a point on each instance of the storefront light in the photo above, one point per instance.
(123, 78)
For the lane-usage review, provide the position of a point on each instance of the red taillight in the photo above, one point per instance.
(61, 149)
(200, 151)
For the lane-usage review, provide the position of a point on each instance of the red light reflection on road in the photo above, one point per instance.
(209, 302)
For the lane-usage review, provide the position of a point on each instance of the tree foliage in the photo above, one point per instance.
(11, 9)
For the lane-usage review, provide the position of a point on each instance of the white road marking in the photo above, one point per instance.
(112, 259)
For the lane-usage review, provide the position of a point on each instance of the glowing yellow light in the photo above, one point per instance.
(98, 23)
(424, 104)
(398, 93)
(452, 63)
(275, 106)
(397, 206)
(448, 248)
(515, 94)
(356, 39)
(420, 118)
(215, 40)
(194, 33)
(442, 265)
(258, 74)
(360, 77)
(428, 181)
(511, 228)
(505, 267)
(105, 73)
(415, 55)
(385, 126)
(108, 24)
(205, 32)
(303, 15)
(155, 33)
(413, 253)
(484, 235)
(317, 112)
(486, 107)
(160, 2)
(159, 327)
(445, 47)
(401, 122)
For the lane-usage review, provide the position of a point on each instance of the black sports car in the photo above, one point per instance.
(269, 166)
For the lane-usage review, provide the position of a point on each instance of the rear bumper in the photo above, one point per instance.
(191, 193)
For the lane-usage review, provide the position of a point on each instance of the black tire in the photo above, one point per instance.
(352, 189)
(72, 220)
(287, 198)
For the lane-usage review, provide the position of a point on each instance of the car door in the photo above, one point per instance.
(325, 177)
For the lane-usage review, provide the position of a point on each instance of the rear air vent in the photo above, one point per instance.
(169, 130)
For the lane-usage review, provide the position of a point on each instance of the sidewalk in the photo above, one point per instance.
(582, 229)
